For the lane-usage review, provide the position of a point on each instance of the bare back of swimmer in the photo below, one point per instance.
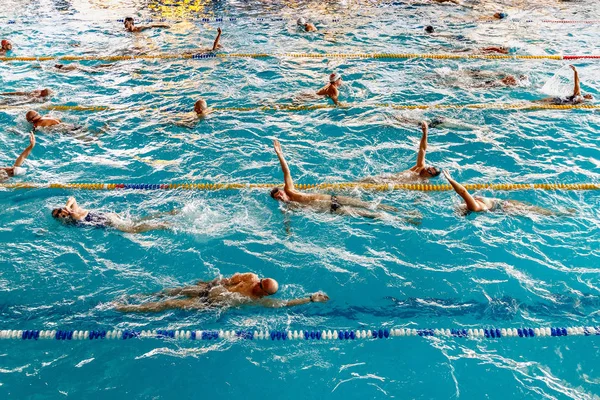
(239, 289)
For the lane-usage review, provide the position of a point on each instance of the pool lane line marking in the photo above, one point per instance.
(321, 186)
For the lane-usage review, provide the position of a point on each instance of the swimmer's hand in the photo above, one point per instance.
(277, 146)
(319, 297)
(573, 68)
(447, 174)
(219, 30)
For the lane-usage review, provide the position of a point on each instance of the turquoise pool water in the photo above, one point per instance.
(450, 271)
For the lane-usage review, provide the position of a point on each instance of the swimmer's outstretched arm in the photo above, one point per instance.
(216, 43)
(422, 146)
(26, 152)
(577, 88)
(462, 192)
(287, 176)
(313, 298)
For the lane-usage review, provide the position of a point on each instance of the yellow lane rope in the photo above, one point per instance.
(284, 107)
(321, 186)
(189, 55)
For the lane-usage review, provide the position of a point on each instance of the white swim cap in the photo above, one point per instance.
(19, 171)
(334, 77)
(301, 21)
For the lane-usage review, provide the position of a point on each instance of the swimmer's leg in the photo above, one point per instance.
(159, 214)
(358, 212)
(188, 291)
(185, 304)
(145, 227)
(524, 208)
(352, 202)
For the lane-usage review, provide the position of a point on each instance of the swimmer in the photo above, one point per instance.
(5, 47)
(484, 204)
(317, 201)
(420, 171)
(214, 48)
(40, 122)
(189, 120)
(35, 93)
(574, 99)
(240, 289)
(500, 15)
(306, 26)
(130, 27)
(494, 79)
(78, 67)
(16, 169)
(331, 89)
(72, 214)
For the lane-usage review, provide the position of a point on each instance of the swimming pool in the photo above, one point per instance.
(450, 271)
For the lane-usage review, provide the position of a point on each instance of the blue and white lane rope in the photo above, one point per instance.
(474, 333)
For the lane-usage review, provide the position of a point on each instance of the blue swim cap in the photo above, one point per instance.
(502, 15)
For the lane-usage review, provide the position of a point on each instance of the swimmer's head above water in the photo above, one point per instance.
(301, 21)
(32, 116)
(266, 287)
(62, 214)
(129, 23)
(429, 29)
(6, 45)
(279, 194)
(200, 106)
(430, 172)
(335, 79)
(500, 15)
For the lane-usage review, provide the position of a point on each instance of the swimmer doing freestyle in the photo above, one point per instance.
(240, 289)
(72, 214)
(320, 202)
(40, 122)
(16, 169)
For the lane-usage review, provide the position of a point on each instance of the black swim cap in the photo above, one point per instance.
(429, 29)
(274, 191)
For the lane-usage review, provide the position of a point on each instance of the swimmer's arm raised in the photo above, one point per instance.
(287, 176)
(422, 146)
(71, 202)
(462, 192)
(577, 88)
(216, 43)
(27, 151)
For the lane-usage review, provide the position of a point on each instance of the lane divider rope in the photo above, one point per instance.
(309, 335)
(321, 186)
(189, 55)
(221, 19)
(286, 107)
